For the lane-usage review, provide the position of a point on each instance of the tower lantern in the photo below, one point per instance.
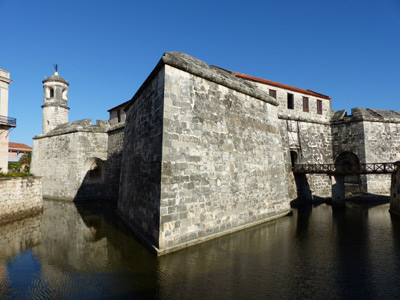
(55, 101)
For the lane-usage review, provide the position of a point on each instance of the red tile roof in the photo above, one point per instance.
(280, 85)
(19, 146)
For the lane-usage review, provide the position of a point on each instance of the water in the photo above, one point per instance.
(84, 252)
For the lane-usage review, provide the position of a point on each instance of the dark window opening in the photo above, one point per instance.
(290, 101)
(319, 107)
(51, 93)
(305, 104)
(119, 115)
(272, 93)
(293, 157)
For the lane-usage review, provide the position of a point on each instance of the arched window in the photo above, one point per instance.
(51, 92)
(65, 94)
(293, 157)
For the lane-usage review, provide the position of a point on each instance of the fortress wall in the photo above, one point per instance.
(63, 160)
(312, 143)
(382, 144)
(315, 143)
(222, 161)
(348, 136)
(314, 146)
(395, 191)
(113, 163)
(20, 197)
(139, 195)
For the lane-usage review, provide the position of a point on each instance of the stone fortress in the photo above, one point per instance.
(200, 151)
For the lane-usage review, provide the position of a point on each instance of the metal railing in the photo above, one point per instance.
(8, 121)
(331, 169)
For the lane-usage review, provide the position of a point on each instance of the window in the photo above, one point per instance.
(272, 93)
(65, 94)
(119, 115)
(319, 107)
(290, 101)
(51, 93)
(305, 104)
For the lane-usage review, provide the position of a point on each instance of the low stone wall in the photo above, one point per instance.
(20, 197)
(395, 191)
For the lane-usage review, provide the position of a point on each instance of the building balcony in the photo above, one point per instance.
(9, 122)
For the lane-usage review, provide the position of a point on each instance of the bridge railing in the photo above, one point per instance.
(332, 169)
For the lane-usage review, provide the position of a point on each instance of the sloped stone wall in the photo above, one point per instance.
(139, 195)
(222, 161)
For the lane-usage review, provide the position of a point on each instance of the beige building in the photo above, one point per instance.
(5, 121)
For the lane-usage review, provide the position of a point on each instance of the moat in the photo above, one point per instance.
(84, 252)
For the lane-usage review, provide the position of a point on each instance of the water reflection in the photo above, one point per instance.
(16, 237)
(85, 252)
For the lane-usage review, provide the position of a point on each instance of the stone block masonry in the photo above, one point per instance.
(395, 192)
(202, 156)
(373, 135)
(73, 150)
(20, 197)
(113, 163)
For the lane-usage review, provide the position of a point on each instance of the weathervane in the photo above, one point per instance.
(56, 67)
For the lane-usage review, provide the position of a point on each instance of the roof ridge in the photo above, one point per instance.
(285, 86)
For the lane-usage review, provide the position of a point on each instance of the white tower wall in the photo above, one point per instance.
(55, 102)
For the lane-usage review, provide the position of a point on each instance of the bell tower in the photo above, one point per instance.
(55, 101)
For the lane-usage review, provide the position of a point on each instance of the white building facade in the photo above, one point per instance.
(5, 122)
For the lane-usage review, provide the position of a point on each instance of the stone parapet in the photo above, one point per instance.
(77, 126)
(196, 67)
(359, 114)
(20, 197)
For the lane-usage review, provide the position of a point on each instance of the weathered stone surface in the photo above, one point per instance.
(114, 160)
(395, 191)
(374, 137)
(65, 157)
(139, 195)
(222, 164)
(199, 160)
(20, 197)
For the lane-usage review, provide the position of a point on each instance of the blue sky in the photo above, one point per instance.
(347, 49)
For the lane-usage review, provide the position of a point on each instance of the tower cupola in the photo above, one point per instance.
(55, 101)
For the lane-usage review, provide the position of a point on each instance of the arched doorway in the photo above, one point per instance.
(95, 170)
(92, 183)
(348, 161)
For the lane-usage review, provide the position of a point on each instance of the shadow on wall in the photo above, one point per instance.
(304, 194)
(102, 179)
(92, 186)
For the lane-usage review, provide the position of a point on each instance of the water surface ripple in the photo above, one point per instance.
(83, 251)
